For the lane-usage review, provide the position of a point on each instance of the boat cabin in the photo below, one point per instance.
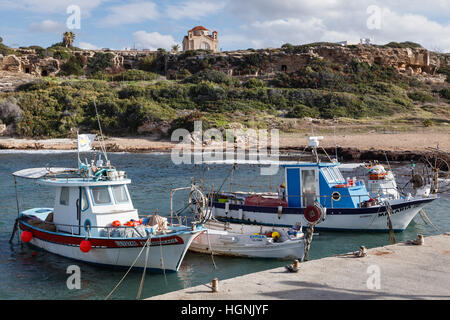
(102, 202)
(322, 182)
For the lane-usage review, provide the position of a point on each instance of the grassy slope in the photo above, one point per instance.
(358, 97)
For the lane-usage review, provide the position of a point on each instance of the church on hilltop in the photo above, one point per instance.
(200, 38)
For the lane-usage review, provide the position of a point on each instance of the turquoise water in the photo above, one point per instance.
(26, 273)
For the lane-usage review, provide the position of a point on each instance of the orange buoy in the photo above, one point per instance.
(85, 246)
(26, 236)
(116, 223)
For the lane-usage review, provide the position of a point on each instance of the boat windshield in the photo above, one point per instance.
(120, 194)
(100, 195)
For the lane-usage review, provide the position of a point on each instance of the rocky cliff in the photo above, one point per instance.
(408, 61)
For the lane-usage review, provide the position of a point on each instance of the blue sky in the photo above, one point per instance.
(241, 24)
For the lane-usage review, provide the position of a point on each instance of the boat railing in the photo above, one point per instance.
(87, 228)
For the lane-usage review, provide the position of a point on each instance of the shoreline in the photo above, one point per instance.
(374, 146)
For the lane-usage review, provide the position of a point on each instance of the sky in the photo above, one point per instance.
(241, 24)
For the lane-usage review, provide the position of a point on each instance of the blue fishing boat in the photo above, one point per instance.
(315, 191)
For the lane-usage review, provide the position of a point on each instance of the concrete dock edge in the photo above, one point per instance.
(399, 271)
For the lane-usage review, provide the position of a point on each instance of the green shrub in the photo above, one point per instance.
(212, 76)
(132, 75)
(73, 66)
(420, 96)
(445, 93)
(427, 123)
(99, 62)
(254, 83)
(302, 111)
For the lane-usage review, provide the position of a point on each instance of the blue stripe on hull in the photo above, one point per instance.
(330, 211)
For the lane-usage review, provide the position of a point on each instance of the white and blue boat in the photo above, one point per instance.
(313, 189)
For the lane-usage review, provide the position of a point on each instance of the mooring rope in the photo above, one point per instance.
(423, 214)
(162, 262)
(141, 284)
(129, 269)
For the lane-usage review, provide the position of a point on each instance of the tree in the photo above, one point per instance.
(175, 47)
(68, 38)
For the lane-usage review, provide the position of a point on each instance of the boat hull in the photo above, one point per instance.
(165, 253)
(355, 219)
(286, 250)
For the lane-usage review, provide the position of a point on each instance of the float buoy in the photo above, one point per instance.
(312, 213)
(85, 246)
(116, 223)
(275, 235)
(26, 236)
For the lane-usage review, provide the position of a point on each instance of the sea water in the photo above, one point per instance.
(28, 273)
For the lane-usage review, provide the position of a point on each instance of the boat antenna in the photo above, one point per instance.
(102, 142)
(335, 144)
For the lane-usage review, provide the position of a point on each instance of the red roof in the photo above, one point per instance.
(198, 28)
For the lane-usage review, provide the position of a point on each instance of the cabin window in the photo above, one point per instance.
(64, 196)
(84, 201)
(308, 186)
(120, 194)
(100, 195)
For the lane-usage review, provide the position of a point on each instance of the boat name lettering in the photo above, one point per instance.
(382, 214)
(126, 243)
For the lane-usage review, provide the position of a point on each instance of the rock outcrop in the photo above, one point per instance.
(246, 63)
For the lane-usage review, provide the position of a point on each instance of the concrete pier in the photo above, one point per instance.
(400, 271)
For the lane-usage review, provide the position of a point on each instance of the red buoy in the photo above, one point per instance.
(85, 246)
(312, 213)
(26, 236)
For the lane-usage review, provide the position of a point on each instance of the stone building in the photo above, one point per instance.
(200, 38)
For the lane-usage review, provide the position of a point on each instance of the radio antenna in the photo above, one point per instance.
(102, 142)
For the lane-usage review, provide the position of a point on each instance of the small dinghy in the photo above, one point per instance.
(245, 240)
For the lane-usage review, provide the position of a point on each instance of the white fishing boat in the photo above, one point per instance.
(93, 220)
(251, 241)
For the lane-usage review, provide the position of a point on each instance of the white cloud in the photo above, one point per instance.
(153, 40)
(87, 46)
(130, 13)
(194, 9)
(271, 22)
(48, 25)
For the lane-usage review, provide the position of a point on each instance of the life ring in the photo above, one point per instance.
(312, 213)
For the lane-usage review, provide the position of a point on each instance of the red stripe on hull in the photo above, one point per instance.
(99, 242)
